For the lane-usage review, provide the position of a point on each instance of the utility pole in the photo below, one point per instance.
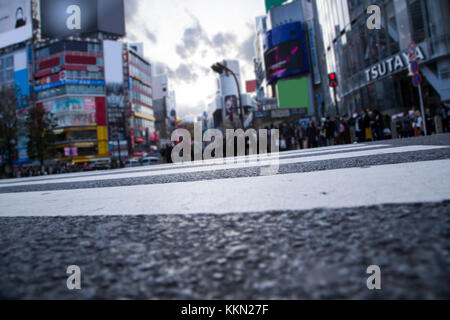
(220, 68)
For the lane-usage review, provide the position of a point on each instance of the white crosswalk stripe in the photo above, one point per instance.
(230, 163)
(392, 183)
(400, 183)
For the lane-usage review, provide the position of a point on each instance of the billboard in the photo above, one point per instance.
(21, 84)
(15, 22)
(113, 53)
(64, 18)
(286, 52)
(231, 104)
(293, 93)
(73, 111)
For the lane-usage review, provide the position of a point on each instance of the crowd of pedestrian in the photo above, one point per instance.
(365, 126)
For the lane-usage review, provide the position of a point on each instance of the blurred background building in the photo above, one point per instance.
(372, 65)
(98, 87)
(164, 106)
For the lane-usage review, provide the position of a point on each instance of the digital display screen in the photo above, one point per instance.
(285, 59)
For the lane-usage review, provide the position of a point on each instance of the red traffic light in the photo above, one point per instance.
(333, 79)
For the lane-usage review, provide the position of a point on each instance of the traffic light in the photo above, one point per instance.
(332, 77)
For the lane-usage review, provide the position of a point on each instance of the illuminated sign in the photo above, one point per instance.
(285, 59)
(70, 82)
(285, 52)
(392, 64)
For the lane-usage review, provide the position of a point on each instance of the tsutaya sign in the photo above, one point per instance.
(392, 64)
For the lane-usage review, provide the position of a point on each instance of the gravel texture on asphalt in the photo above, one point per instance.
(317, 254)
(394, 158)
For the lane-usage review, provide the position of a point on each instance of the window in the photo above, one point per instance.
(9, 62)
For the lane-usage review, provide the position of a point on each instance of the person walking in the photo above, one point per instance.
(406, 125)
(330, 129)
(444, 114)
(367, 122)
(311, 134)
(418, 124)
(429, 122)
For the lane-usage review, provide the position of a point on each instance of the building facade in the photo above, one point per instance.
(373, 64)
(142, 118)
(165, 107)
(69, 82)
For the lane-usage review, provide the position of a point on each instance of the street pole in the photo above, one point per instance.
(239, 97)
(336, 102)
(422, 109)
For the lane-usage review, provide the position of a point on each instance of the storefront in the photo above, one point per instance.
(373, 65)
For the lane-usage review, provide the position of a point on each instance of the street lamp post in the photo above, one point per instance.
(220, 68)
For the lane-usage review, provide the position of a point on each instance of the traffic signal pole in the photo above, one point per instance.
(336, 102)
(332, 77)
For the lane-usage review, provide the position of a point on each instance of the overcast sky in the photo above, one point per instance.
(185, 37)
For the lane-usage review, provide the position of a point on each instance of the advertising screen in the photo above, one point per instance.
(286, 51)
(285, 59)
(63, 18)
(73, 111)
(231, 104)
(15, 22)
(115, 96)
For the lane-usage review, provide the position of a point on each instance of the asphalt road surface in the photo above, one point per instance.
(232, 231)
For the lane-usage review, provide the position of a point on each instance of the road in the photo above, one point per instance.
(227, 231)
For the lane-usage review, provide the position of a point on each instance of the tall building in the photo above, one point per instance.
(372, 65)
(98, 88)
(287, 63)
(69, 82)
(165, 107)
(16, 38)
(143, 132)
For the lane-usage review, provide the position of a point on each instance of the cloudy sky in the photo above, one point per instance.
(183, 38)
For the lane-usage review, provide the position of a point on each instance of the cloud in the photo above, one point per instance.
(150, 36)
(184, 73)
(223, 42)
(134, 23)
(131, 7)
(247, 49)
(190, 113)
(193, 36)
(187, 73)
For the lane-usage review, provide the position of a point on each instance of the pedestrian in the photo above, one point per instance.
(367, 122)
(444, 114)
(287, 134)
(311, 134)
(352, 126)
(300, 134)
(429, 122)
(330, 131)
(418, 124)
(406, 125)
